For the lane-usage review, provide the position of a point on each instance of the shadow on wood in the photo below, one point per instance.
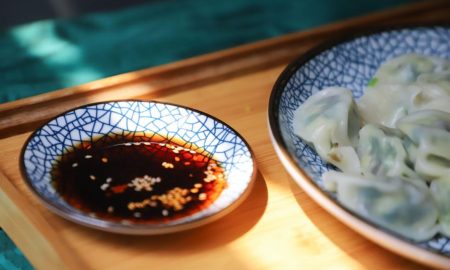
(339, 234)
(217, 233)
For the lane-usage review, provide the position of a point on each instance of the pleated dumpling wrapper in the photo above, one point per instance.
(330, 122)
(430, 132)
(440, 190)
(401, 206)
(382, 152)
(403, 85)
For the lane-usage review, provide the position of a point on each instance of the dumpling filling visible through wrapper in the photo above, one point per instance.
(329, 121)
(404, 207)
(430, 131)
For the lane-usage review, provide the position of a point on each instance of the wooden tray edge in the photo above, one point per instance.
(31, 232)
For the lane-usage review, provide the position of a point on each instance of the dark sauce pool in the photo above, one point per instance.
(138, 179)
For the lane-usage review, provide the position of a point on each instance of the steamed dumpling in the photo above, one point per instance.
(407, 68)
(440, 79)
(430, 131)
(382, 153)
(404, 207)
(406, 84)
(376, 108)
(411, 149)
(386, 104)
(440, 190)
(430, 95)
(329, 121)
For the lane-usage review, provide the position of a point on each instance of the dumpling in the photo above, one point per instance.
(382, 152)
(411, 149)
(402, 100)
(406, 68)
(404, 207)
(375, 108)
(440, 79)
(440, 190)
(430, 131)
(329, 121)
(404, 145)
(432, 93)
(412, 82)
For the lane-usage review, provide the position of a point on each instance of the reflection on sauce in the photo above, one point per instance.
(136, 179)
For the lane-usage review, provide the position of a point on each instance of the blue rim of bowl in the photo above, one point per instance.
(273, 115)
(131, 228)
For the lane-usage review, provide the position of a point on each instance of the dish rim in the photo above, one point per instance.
(130, 228)
(361, 225)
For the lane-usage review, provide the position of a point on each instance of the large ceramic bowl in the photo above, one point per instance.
(350, 63)
(168, 121)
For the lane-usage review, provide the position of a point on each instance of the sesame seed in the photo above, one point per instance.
(108, 180)
(104, 160)
(202, 196)
(165, 212)
(87, 156)
(110, 209)
(104, 186)
(74, 165)
(92, 177)
(144, 183)
(198, 185)
(167, 165)
(194, 190)
(137, 215)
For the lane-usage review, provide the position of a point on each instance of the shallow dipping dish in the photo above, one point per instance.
(349, 62)
(146, 120)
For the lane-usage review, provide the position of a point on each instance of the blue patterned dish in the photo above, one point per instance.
(169, 121)
(351, 63)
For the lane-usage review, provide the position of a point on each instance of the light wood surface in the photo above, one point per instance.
(277, 227)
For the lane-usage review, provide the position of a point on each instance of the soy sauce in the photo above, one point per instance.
(138, 179)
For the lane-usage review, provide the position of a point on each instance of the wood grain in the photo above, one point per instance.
(277, 227)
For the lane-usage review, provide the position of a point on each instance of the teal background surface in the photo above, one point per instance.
(53, 54)
(43, 56)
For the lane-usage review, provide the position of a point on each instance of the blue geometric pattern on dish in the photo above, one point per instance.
(128, 117)
(352, 64)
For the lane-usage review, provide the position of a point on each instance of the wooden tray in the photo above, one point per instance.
(277, 227)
